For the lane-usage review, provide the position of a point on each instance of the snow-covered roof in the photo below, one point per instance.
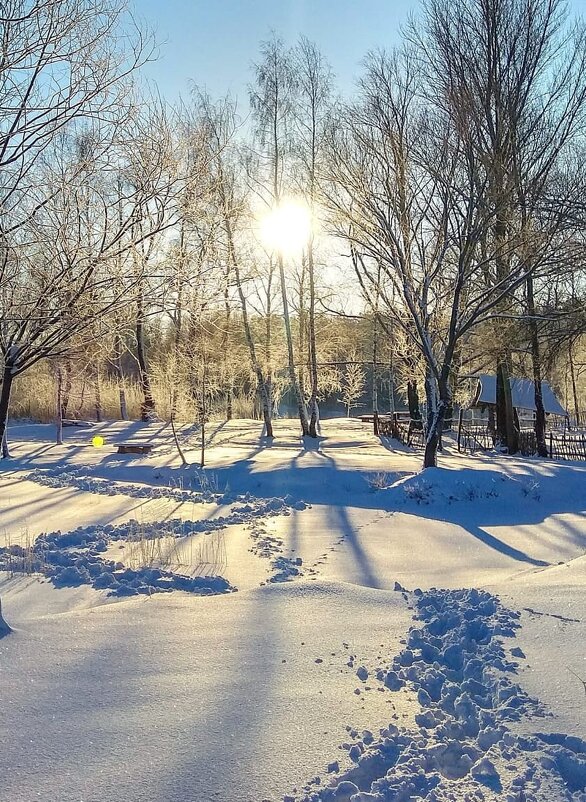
(523, 392)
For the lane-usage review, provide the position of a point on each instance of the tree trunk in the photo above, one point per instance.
(59, 406)
(117, 362)
(229, 396)
(413, 403)
(375, 355)
(7, 380)
(66, 388)
(203, 412)
(453, 380)
(178, 444)
(301, 410)
(178, 321)
(147, 408)
(574, 388)
(269, 343)
(263, 386)
(505, 417)
(313, 410)
(540, 422)
(301, 317)
(375, 375)
(98, 397)
(228, 372)
(435, 421)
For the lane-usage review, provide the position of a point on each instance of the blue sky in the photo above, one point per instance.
(213, 43)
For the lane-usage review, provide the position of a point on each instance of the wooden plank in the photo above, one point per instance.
(134, 448)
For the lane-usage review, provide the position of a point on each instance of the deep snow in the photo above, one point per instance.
(312, 681)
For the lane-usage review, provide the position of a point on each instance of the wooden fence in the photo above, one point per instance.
(570, 445)
(402, 428)
(562, 445)
(472, 439)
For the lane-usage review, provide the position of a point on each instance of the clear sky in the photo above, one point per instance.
(213, 42)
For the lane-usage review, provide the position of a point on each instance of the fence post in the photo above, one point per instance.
(550, 445)
(460, 416)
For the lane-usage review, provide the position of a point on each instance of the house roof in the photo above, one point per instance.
(523, 392)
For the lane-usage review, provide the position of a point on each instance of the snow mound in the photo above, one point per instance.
(73, 558)
(4, 628)
(443, 486)
(79, 478)
(463, 748)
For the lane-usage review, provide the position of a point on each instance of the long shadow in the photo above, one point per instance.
(110, 695)
(338, 514)
(502, 547)
(328, 485)
(323, 482)
(340, 522)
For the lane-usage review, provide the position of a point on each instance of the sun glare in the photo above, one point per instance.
(287, 227)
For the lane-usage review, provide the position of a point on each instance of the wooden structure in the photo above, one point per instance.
(522, 395)
(400, 426)
(478, 435)
(135, 448)
(568, 445)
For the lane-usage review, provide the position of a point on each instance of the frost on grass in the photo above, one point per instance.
(463, 749)
(73, 558)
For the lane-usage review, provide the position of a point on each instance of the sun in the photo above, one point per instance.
(287, 227)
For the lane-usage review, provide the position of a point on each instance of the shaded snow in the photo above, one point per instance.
(319, 676)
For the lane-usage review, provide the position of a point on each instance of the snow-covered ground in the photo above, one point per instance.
(266, 628)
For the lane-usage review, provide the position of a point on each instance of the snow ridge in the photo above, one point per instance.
(54, 556)
(463, 748)
(73, 558)
(79, 478)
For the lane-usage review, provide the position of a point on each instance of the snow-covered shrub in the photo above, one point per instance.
(420, 491)
(379, 481)
(475, 492)
(531, 490)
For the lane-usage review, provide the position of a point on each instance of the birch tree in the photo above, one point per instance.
(272, 100)
(230, 197)
(312, 105)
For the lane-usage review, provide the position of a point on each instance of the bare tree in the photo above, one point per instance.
(64, 79)
(511, 75)
(272, 99)
(311, 112)
(233, 211)
(407, 194)
(61, 262)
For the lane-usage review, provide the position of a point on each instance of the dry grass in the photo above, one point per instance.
(197, 555)
(34, 393)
